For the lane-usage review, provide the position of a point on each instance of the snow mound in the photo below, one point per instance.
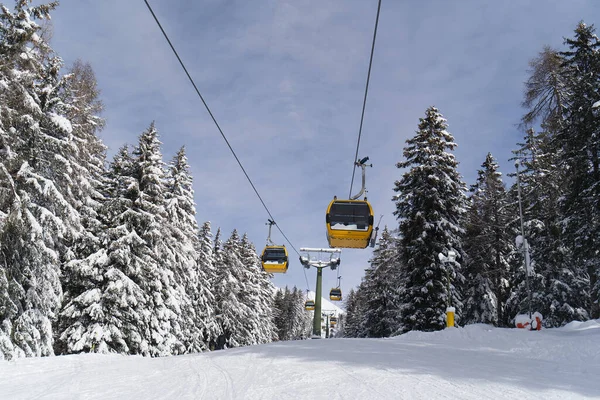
(581, 326)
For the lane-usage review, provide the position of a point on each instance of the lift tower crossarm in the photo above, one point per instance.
(316, 250)
(333, 262)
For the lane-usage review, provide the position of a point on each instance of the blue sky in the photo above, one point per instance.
(285, 80)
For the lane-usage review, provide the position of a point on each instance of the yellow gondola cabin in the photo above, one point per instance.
(335, 294)
(309, 305)
(274, 259)
(349, 223)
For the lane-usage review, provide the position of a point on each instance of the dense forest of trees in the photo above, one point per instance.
(406, 286)
(109, 258)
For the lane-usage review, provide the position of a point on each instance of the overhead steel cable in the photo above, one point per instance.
(362, 116)
(219, 127)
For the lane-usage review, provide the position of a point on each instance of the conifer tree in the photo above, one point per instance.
(580, 141)
(111, 313)
(281, 313)
(355, 313)
(546, 92)
(488, 248)
(259, 293)
(559, 286)
(234, 315)
(556, 88)
(430, 207)
(537, 223)
(244, 296)
(381, 286)
(183, 230)
(205, 303)
(88, 153)
(217, 254)
(292, 322)
(87, 190)
(220, 340)
(301, 321)
(38, 220)
(166, 294)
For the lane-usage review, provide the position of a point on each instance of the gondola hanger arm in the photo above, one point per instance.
(270, 223)
(362, 164)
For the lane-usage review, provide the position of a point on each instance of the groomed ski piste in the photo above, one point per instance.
(474, 362)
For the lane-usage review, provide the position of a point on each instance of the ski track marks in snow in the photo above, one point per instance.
(476, 362)
(228, 385)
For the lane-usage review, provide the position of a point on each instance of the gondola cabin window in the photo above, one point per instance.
(349, 216)
(274, 256)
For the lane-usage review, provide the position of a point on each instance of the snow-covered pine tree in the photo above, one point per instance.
(206, 302)
(522, 300)
(87, 189)
(217, 262)
(339, 328)
(111, 314)
(567, 283)
(291, 319)
(166, 294)
(281, 313)
(38, 220)
(259, 293)
(88, 153)
(488, 247)
(381, 284)
(301, 321)
(430, 207)
(355, 313)
(559, 286)
(217, 258)
(547, 178)
(580, 141)
(235, 316)
(181, 217)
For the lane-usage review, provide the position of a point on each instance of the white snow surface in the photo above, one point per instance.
(476, 362)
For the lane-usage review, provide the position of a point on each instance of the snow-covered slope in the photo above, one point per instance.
(476, 362)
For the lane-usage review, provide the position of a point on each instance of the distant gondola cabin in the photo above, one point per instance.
(309, 305)
(335, 294)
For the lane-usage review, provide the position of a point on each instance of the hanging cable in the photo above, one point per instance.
(221, 132)
(306, 279)
(218, 126)
(365, 99)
